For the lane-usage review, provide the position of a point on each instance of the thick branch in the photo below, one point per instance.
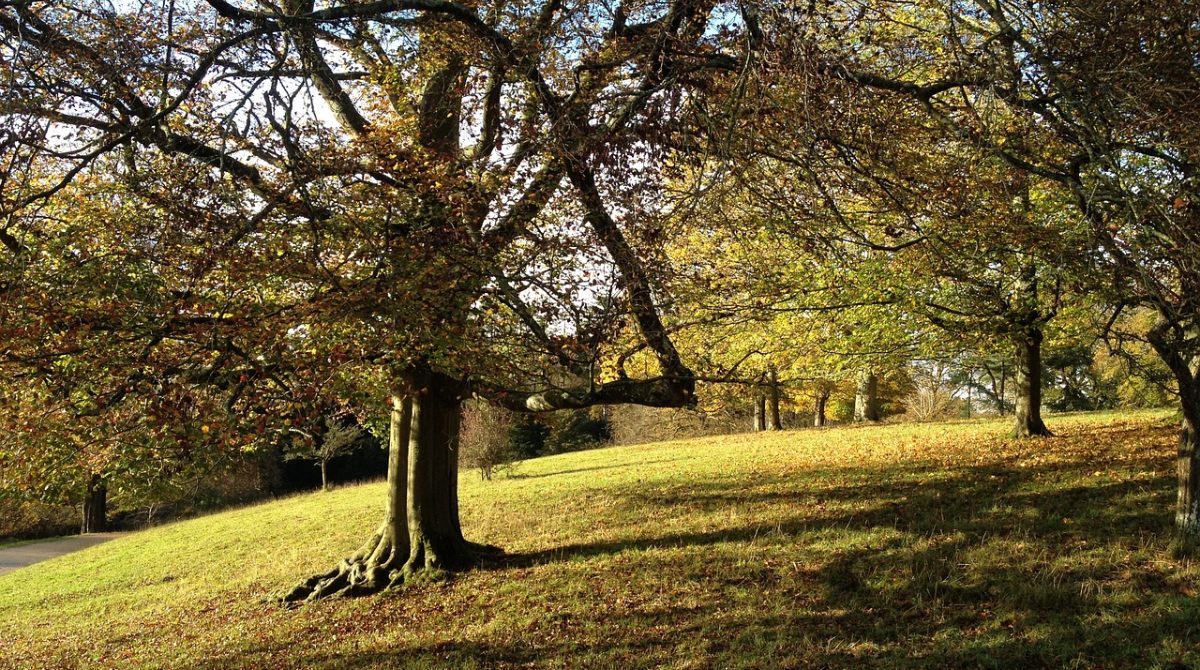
(633, 275)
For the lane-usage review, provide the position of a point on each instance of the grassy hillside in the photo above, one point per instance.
(885, 547)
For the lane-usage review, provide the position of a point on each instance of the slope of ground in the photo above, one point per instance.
(877, 547)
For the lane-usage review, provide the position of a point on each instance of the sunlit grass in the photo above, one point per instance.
(942, 545)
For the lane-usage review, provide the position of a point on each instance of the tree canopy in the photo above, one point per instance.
(222, 218)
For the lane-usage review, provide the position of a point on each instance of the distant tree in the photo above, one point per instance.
(573, 430)
(527, 436)
(822, 390)
(340, 437)
(772, 317)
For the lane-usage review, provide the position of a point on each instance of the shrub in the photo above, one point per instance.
(928, 404)
(576, 430)
(527, 437)
(485, 437)
(24, 519)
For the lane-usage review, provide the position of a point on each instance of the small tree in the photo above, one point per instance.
(933, 395)
(341, 437)
(485, 440)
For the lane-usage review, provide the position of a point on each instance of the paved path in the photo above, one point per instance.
(28, 554)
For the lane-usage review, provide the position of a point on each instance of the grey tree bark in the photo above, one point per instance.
(420, 534)
(376, 565)
(1176, 344)
(1187, 464)
(435, 537)
(1000, 406)
(866, 401)
(1027, 375)
(1028, 380)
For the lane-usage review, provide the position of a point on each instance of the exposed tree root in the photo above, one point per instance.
(420, 538)
(1025, 429)
(380, 565)
(373, 568)
(443, 557)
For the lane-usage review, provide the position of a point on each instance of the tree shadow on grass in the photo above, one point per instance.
(458, 654)
(620, 466)
(564, 651)
(1039, 607)
(993, 566)
(980, 501)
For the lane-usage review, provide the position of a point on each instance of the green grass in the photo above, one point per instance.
(942, 545)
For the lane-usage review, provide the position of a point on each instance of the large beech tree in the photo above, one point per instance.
(428, 198)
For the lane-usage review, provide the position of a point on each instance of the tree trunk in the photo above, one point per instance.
(435, 537)
(270, 469)
(1187, 506)
(1187, 462)
(324, 475)
(760, 411)
(1003, 382)
(94, 517)
(1028, 378)
(822, 401)
(1028, 340)
(376, 565)
(773, 420)
(1174, 345)
(866, 402)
